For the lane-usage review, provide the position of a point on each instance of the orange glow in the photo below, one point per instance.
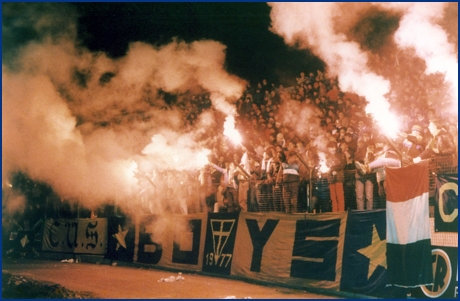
(202, 157)
(131, 171)
(388, 123)
(322, 163)
(230, 131)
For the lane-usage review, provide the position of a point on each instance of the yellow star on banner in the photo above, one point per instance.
(120, 236)
(375, 252)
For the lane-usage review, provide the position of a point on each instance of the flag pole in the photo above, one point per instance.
(301, 160)
(393, 145)
(244, 171)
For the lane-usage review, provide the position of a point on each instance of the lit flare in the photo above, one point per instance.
(387, 121)
(230, 131)
(202, 157)
(323, 168)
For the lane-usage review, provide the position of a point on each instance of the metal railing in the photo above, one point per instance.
(314, 194)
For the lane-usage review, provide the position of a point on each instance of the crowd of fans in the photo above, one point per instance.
(331, 159)
(333, 165)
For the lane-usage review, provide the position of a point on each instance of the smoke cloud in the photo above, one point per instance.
(95, 128)
(328, 30)
(422, 20)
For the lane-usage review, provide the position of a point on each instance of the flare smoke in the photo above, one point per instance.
(327, 30)
(85, 123)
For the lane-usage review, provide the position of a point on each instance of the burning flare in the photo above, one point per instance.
(202, 157)
(323, 168)
(388, 122)
(230, 131)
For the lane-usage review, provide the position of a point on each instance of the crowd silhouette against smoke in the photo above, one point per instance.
(137, 130)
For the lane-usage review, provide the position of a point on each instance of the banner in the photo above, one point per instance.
(364, 261)
(445, 278)
(121, 236)
(446, 206)
(75, 236)
(220, 241)
(297, 249)
(408, 226)
(172, 241)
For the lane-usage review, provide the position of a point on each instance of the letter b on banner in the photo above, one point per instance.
(148, 251)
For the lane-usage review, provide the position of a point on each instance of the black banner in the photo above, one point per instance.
(120, 244)
(220, 240)
(446, 207)
(445, 275)
(188, 255)
(321, 254)
(149, 251)
(83, 236)
(364, 261)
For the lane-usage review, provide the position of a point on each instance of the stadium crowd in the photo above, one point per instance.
(336, 164)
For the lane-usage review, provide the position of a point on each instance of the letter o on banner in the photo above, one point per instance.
(447, 218)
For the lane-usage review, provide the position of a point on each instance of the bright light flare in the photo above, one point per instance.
(202, 157)
(323, 168)
(133, 167)
(131, 170)
(388, 122)
(230, 131)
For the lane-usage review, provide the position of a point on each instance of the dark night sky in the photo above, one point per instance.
(253, 52)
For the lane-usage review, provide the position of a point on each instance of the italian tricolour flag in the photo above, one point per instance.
(408, 226)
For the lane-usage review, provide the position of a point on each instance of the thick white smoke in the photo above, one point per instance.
(325, 29)
(87, 124)
(420, 29)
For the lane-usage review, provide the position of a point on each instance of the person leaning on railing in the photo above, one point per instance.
(441, 143)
